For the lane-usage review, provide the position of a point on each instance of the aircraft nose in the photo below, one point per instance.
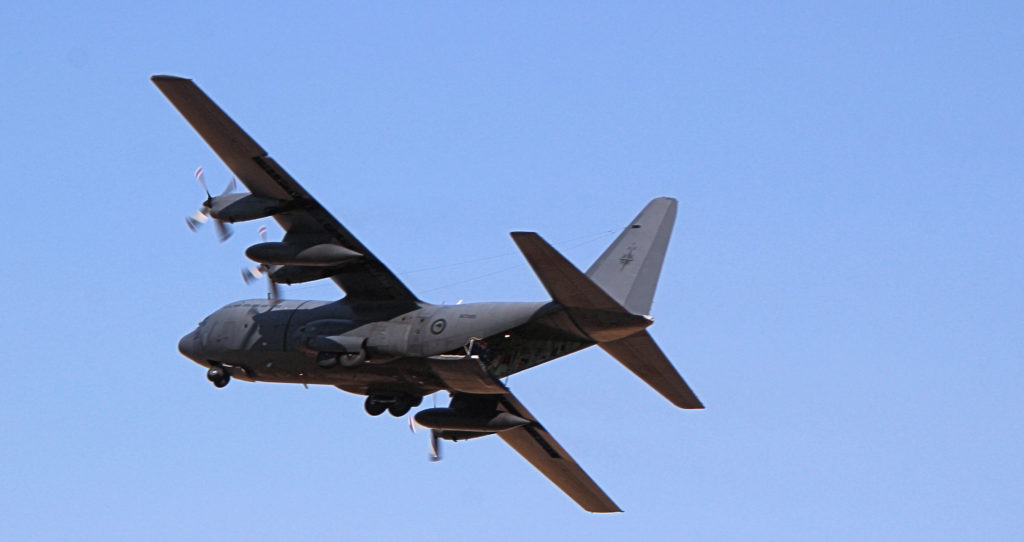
(189, 346)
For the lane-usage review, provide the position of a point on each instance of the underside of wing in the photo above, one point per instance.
(472, 384)
(534, 443)
(304, 220)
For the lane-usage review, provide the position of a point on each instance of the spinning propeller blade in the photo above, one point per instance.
(255, 272)
(435, 441)
(197, 219)
(435, 446)
(202, 181)
(202, 216)
(223, 230)
(230, 187)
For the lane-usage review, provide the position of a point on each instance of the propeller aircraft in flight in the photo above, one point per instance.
(383, 342)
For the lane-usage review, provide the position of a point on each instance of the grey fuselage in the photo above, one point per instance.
(283, 341)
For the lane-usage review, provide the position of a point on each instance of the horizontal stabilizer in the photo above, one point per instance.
(567, 285)
(615, 329)
(640, 354)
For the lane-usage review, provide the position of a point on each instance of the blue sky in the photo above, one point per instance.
(843, 289)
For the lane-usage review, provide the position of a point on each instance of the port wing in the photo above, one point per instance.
(303, 218)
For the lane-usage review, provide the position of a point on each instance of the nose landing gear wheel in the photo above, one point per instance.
(219, 376)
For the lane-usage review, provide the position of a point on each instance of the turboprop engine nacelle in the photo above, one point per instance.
(296, 274)
(450, 419)
(294, 254)
(243, 207)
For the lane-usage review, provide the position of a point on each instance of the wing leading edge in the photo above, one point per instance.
(302, 218)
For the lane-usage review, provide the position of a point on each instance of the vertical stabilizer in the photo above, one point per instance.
(628, 270)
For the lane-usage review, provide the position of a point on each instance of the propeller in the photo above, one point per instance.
(202, 216)
(255, 272)
(435, 441)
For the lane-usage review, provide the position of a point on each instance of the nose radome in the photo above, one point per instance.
(189, 346)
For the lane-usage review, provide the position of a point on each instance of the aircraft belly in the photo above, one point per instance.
(411, 375)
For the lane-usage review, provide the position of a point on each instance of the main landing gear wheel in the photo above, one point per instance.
(219, 376)
(400, 408)
(374, 407)
(403, 403)
(397, 405)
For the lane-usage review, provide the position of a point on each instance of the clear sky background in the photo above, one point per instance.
(843, 289)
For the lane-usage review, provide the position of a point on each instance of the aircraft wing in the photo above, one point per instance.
(367, 278)
(534, 443)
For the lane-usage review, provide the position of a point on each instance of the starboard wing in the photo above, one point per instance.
(537, 446)
(532, 441)
(304, 218)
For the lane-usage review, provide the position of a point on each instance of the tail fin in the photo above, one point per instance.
(629, 268)
(598, 311)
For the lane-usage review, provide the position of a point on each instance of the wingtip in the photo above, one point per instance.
(520, 237)
(688, 402)
(160, 78)
(607, 508)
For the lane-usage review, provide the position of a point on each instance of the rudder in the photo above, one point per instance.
(629, 268)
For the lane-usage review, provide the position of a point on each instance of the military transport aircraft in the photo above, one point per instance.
(383, 342)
